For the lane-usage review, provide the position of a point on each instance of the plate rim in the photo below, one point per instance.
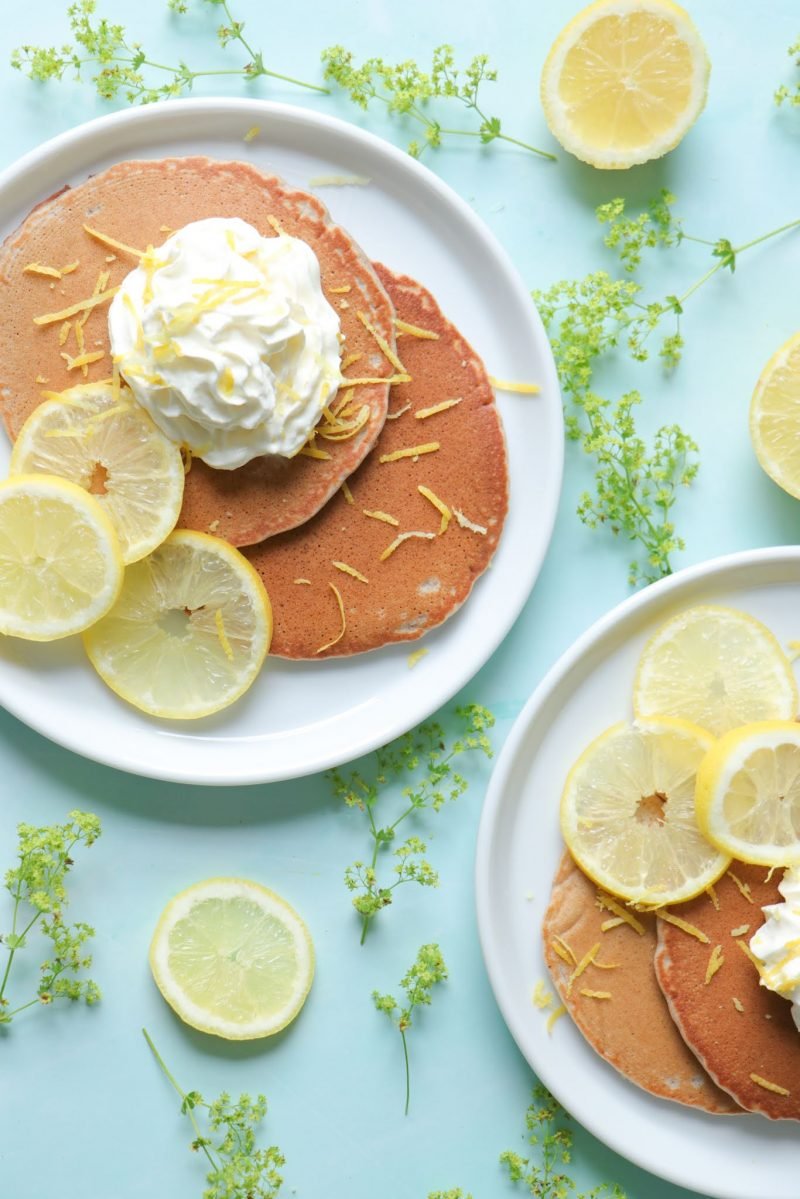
(524, 725)
(154, 115)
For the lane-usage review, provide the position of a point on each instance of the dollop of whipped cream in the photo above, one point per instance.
(777, 943)
(226, 339)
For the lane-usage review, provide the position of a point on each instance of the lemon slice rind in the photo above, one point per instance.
(730, 794)
(641, 858)
(775, 417)
(227, 957)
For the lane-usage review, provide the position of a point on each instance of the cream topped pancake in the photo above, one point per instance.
(62, 267)
(399, 549)
(602, 967)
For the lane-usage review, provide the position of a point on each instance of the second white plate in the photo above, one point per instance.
(519, 846)
(303, 717)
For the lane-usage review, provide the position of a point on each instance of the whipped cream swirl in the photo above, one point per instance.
(225, 337)
(777, 943)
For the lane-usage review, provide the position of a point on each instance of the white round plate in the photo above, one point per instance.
(519, 847)
(303, 717)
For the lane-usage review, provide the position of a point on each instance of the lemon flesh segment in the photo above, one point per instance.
(624, 81)
(775, 417)
(748, 793)
(60, 564)
(232, 958)
(628, 813)
(100, 439)
(189, 632)
(717, 667)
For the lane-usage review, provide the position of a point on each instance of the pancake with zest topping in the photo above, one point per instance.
(617, 1004)
(138, 203)
(742, 1033)
(390, 565)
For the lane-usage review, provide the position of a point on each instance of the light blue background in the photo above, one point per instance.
(83, 1109)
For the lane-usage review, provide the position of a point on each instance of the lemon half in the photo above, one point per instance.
(748, 793)
(232, 958)
(189, 632)
(628, 813)
(60, 562)
(717, 667)
(624, 81)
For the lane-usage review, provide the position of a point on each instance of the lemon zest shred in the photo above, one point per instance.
(342, 291)
(37, 268)
(101, 283)
(252, 133)
(683, 925)
(63, 332)
(466, 523)
(340, 634)
(350, 360)
(275, 224)
(310, 451)
(595, 994)
(350, 570)
(392, 380)
(82, 359)
(413, 451)
(398, 541)
(556, 1015)
(606, 903)
(415, 331)
(614, 922)
(770, 873)
(212, 528)
(712, 895)
(400, 411)
(376, 514)
(737, 1003)
(416, 656)
(383, 344)
(51, 318)
(743, 887)
(307, 582)
(564, 951)
(347, 493)
(528, 389)
(188, 458)
(748, 953)
(70, 267)
(435, 409)
(41, 379)
(440, 506)
(222, 635)
(740, 931)
(715, 962)
(767, 1085)
(541, 998)
(585, 961)
(112, 242)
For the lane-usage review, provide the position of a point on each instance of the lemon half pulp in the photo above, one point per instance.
(232, 958)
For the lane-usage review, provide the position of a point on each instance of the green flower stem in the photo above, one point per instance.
(186, 1106)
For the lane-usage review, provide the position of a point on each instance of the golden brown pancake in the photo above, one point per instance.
(139, 203)
(733, 1044)
(632, 1030)
(426, 578)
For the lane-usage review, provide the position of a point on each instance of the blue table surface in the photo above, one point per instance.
(83, 1110)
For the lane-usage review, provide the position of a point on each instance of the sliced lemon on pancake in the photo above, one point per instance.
(189, 632)
(60, 562)
(232, 958)
(624, 81)
(628, 814)
(775, 417)
(717, 667)
(748, 793)
(106, 443)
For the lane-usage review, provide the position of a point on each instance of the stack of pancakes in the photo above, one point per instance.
(677, 1007)
(359, 541)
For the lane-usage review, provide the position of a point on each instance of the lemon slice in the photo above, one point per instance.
(627, 813)
(60, 564)
(748, 793)
(717, 667)
(624, 81)
(775, 417)
(189, 632)
(109, 446)
(232, 958)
